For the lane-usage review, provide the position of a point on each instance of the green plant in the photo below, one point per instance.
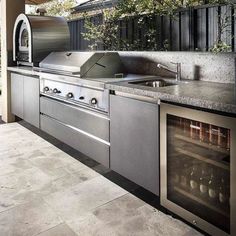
(220, 47)
(56, 8)
(106, 32)
(147, 35)
(224, 27)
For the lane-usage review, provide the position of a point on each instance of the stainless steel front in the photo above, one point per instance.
(80, 95)
(91, 122)
(214, 119)
(67, 79)
(137, 97)
(76, 138)
(134, 134)
(45, 34)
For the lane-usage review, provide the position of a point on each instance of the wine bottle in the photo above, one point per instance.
(223, 138)
(203, 182)
(224, 191)
(195, 130)
(214, 133)
(194, 180)
(204, 133)
(212, 187)
(184, 176)
(175, 171)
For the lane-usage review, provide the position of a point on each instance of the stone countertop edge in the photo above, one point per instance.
(182, 99)
(26, 70)
(165, 96)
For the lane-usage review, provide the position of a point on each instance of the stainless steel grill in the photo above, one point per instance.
(71, 77)
(83, 64)
(74, 103)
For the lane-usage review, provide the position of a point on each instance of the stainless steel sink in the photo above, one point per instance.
(157, 83)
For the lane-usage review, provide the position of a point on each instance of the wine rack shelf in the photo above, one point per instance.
(202, 144)
(202, 158)
(200, 201)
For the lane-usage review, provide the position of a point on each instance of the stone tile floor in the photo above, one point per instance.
(49, 189)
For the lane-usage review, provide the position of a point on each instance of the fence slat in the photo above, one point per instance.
(193, 29)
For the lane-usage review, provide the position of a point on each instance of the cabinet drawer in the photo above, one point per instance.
(88, 121)
(89, 146)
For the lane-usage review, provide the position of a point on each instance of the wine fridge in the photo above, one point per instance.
(198, 167)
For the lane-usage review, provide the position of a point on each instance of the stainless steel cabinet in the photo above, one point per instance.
(31, 100)
(25, 98)
(17, 90)
(134, 141)
(198, 159)
(83, 129)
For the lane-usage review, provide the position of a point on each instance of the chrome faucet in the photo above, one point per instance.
(177, 72)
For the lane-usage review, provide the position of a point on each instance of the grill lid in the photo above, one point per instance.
(83, 64)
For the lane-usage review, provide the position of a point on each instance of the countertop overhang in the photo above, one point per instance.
(219, 97)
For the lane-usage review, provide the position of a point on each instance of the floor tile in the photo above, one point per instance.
(21, 187)
(90, 225)
(51, 190)
(59, 230)
(84, 197)
(28, 219)
(129, 216)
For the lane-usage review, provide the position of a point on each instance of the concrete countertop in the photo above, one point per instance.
(208, 95)
(27, 70)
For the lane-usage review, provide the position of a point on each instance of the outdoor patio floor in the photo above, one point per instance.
(45, 191)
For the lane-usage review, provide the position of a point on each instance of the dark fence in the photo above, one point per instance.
(191, 29)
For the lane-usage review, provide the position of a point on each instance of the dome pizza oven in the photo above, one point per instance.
(34, 37)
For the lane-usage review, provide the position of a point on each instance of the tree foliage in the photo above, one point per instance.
(57, 8)
(106, 32)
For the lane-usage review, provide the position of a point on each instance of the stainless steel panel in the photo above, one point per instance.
(74, 138)
(205, 117)
(17, 90)
(88, 121)
(81, 95)
(134, 141)
(84, 64)
(31, 100)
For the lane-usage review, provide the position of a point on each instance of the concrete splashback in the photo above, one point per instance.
(195, 65)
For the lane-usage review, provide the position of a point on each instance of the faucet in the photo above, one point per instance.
(177, 72)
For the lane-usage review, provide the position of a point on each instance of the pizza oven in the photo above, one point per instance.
(35, 37)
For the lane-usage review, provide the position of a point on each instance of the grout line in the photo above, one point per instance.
(109, 201)
(49, 229)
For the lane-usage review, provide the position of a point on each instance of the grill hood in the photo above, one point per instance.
(83, 64)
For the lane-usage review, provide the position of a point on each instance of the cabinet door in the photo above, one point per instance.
(17, 84)
(134, 141)
(31, 100)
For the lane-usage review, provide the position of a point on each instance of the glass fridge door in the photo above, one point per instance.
(198, 169)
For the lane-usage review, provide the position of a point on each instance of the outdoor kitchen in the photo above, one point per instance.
(118, 118)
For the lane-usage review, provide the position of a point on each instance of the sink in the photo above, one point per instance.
(157, 83)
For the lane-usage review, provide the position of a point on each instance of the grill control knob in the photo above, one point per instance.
(55, 90)
(94, 101)
(46, 89)
(70, 95)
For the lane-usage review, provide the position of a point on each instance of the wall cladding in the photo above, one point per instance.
(203, 66)
(193, 29)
